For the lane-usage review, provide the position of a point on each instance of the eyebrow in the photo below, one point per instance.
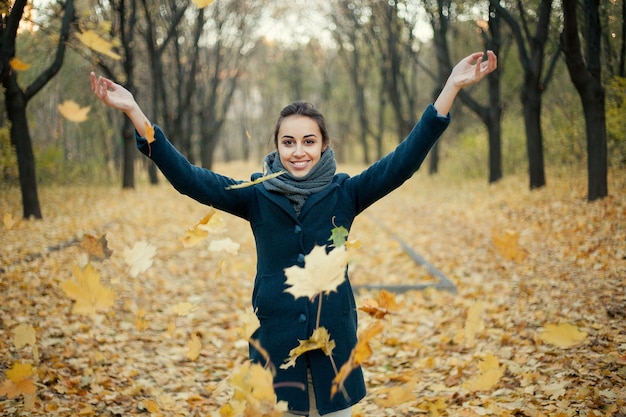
(310, 135)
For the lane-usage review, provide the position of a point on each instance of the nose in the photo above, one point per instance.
(298, 150)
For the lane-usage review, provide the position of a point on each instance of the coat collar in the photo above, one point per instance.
(285, 205)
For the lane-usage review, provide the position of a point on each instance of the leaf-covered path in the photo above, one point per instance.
(537, 328)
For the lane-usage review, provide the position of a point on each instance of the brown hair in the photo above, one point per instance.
(302, 108)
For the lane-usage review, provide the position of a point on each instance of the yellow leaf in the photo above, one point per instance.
(202, 3)
(87, 292)
(183, 309)
(211, 223)
(95, 42)
(320, 339)
(359, 354)
(473, 323)
(257, 181)
(19, 381)
(8, 221)
(73, 112)
(139, 258)
(18, 65)
(489, 376)
(193, 347)
(397, 395)
(562, 335)
(254, 384)
(224, 245)
(249, 324)
(385, 304)
(507, 245)
(24, 334)
(323, 272)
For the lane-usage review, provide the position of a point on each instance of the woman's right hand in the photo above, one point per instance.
(112, 94)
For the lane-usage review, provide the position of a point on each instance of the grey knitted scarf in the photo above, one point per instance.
(297, 189)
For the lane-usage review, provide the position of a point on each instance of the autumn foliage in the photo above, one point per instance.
(137, 303)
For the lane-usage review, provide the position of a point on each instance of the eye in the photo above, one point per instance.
(287, 142)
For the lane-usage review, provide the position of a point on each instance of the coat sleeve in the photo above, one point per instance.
(394, 169)
(203, 185)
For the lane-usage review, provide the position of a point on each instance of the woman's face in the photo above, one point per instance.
(299, 144)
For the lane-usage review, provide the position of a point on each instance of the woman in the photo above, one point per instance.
(291, 214)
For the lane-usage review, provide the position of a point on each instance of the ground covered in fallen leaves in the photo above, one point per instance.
(537, 326)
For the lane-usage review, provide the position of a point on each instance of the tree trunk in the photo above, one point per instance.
(20, 137)
(588, 83)
(531, 102)
(129, 150)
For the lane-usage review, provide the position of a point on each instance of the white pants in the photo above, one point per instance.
(346, 412)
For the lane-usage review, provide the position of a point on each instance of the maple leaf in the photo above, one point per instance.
(194, 345)
(89, 295)
(139, 258)
(224, 245)
(249, 324)
(19, 381)
(95, 42)
(379, 308)
(562, 335)
(210, 223)
(359, 354)
(320, 339)
(96, 247)
(254, 387)
(24, 334)
(339, 236)
(322, 273)
(490, 374)
(183, 309)
(73, 112)
(507, 245)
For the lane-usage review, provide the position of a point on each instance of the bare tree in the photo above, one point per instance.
(17, 97)
(585, 70)
(531, 47)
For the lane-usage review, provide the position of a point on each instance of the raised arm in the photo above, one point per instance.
(468, 71)
(117, 97)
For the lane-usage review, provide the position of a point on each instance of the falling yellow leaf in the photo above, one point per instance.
(24, 334)
(73, 112)
(194, 345)
(254, 392)
(139, 258)
(211, 223)
(385, 304)
(19, 381)
(359, 354)
(473, 323)
(95, 42)
(322, 273)
(202, 3)
(507, 245)
(149, 132)
(249, 324)
(224, 245)
(18, 65)
(489, 376)
(257, 181)
(9, 221)
(320, 339)
(89, 295)
(562, 335)
(183, 309)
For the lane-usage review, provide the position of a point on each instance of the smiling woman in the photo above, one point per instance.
(291, 215)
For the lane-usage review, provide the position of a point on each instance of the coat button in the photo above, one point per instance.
(300, 258)
(297, 229)
(302, 318)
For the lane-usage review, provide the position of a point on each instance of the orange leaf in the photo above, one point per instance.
(385, 304)
(18, 65)
(96, 247)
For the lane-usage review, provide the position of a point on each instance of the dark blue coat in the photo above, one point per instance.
(283, 239)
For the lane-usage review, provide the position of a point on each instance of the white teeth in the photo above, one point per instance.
(299, 164)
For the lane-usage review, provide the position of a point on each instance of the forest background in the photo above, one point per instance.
(524, 198)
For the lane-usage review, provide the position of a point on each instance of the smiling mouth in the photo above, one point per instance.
(300, 164)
